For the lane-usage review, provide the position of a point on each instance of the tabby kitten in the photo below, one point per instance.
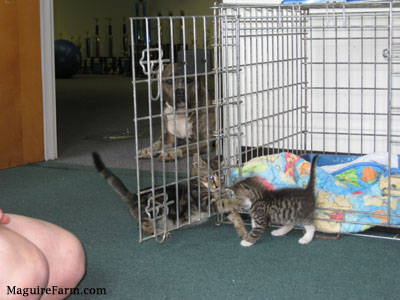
(286, 206)
(177, 213)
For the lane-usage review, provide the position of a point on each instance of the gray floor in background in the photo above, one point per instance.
(92, 108)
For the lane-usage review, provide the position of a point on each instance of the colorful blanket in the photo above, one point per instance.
(356, 193)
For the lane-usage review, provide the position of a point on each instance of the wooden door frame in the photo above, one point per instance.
(48, 79)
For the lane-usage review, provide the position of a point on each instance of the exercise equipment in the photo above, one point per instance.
(67, 58)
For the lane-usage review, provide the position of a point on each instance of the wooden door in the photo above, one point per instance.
(21, 113)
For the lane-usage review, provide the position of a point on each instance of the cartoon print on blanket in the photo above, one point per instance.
(359, 187)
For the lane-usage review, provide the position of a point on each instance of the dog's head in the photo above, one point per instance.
(175, 92)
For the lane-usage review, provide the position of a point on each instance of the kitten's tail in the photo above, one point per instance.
(115, 182)
(311, 181)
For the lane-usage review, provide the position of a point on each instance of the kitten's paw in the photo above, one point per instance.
(276, 232)
(304, 240)
(282, 230)
(245, 243)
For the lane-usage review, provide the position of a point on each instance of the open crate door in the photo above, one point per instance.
(176, 116)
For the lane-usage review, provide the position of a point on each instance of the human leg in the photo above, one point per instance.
(22, 265)
(61, 249)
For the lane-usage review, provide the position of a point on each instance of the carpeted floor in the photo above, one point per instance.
(201, 262)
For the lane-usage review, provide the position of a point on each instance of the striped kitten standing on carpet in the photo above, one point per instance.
(286, 206)
(185, 208)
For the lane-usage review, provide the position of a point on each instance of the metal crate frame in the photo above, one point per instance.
(174, 35)
(280, 76)
(318, 78)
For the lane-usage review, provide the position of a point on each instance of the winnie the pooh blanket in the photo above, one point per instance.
(351, 199)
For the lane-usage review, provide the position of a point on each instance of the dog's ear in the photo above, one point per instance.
(167, 70)
(156, 72)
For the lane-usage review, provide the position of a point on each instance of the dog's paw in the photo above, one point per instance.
(245, 243)
(170, 155)
(144, 153)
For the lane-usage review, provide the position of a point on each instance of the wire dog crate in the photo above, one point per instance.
(319, 78)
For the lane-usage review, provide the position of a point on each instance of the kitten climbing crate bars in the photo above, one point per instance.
(318, 78)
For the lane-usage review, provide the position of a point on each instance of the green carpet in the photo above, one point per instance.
(201, 262)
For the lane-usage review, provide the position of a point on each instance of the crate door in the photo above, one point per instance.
(173, 64)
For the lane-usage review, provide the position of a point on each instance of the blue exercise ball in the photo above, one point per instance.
(67, 58)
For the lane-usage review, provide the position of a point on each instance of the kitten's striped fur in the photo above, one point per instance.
(179, 213)
(287, 207)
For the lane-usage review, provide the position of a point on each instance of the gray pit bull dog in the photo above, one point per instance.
(176, 123)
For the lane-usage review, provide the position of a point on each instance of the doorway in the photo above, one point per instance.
(93, 112)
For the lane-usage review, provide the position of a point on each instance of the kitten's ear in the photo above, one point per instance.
(230, 193)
